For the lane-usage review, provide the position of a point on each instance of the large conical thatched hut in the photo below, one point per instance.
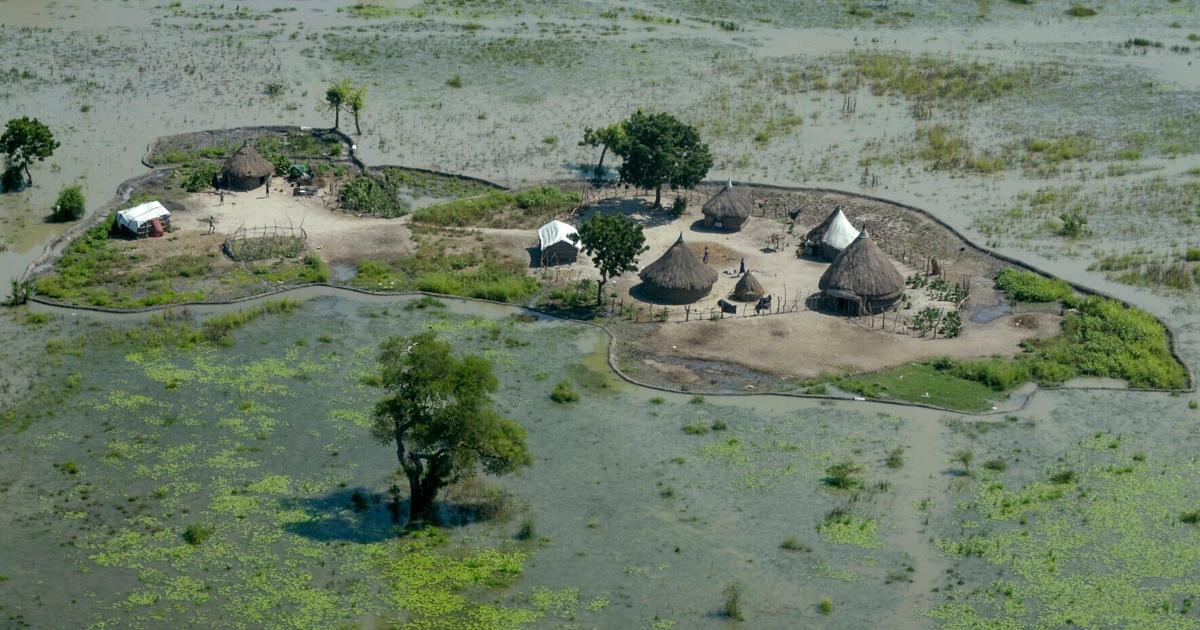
(832, 235)
(678, 277)
(748, 289)
(245, 170)
(862, 279)
(728, 209)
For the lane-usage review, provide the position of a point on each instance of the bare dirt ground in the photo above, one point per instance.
(808, 344)
(336, 236)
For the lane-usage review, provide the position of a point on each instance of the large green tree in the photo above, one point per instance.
(659, 149)
(336, 96)
(440, 414)
(25, 141)
(614, 241)
(610, 138)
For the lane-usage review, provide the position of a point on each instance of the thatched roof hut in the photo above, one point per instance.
(862, 278)
(246, 169)
(678, 277)
(748, 289)
(728, 209)
(832, 235)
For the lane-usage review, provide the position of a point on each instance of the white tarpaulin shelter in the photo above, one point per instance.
(137, 217)
(556, 244)
(556, 232)
(840, 233)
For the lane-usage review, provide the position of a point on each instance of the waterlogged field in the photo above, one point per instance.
(222, 475)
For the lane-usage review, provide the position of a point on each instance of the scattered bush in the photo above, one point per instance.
(996, 465)
(1078, 10)
(825, 606)
(791, 543)
(564, 393)
(527, 530)
(695, 429)
(895, 458)
(1191, 517)
(199, 175)
(367, 194)
(732, 607)
(196, 534)
(844, 475)
(1063, 477)
(70, 205)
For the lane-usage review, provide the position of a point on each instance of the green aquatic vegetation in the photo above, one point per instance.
(564, 393)
(1027, 286)
(944, 79)
(1112, 554)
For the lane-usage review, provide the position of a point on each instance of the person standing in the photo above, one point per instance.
(742, 269)
(706, 254)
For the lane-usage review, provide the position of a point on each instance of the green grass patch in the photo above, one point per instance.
(479, 273)
(528, 208)
(923, 383)
(1026, 286)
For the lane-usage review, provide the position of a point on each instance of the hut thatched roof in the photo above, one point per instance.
(748, 288)
(247, 163)
(679, 269)
(729, 203)
(863, 271)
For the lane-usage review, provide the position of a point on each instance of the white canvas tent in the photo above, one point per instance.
(838, 235)
(556, 243)
(138, 218)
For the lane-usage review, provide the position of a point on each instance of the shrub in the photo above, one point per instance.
(791, 543)
(996, 465)
(844, 474)
(678, 206)
(1026, 286)
(527, 530)
(564, 393)
(1063, 477)
(199, 175)
(70, 204)
(367, 194)
(12, 179)
(695, 429)
(732, 607)
(1191, 517)
(196, 534)
(895, 458)
(825, 606)
(1078, 10)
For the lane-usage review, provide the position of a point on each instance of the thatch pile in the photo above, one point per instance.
(862, 278)
(748, 289)
(246, 169)
(728, 209)
(678, 277)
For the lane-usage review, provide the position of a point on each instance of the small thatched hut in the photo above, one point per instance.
(678, 277)
(245, 170)
(862, 279)
(832, 235)
(748, 289)
(728, 209)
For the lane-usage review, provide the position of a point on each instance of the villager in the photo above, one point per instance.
(706, 254)
(222, 193)
(742, 268)
(211, 221)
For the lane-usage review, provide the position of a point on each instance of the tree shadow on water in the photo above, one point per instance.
(360, 515)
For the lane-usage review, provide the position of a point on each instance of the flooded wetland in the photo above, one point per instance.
(200, 428)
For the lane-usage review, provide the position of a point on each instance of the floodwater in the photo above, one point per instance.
(647, 521)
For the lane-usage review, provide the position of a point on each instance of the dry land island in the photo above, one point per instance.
(898, 344)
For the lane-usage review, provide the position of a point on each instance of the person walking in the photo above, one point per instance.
(742, 269)
(211, 221)
(706, 254)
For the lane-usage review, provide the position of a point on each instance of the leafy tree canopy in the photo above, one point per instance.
(614, 242)
(25, 141)
(659, 149)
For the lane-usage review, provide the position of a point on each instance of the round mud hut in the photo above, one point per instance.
(678, 277)
(861, 279)
(245, 170)
(748, 289)
(832, 235)
(729, 209)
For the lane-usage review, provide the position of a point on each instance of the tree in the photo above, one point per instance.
(439, 413)
(336, 96)
(608, 138)
(614, 242)
(844, 475)
(357, 102)
(659, 149)
(70, 204)
(25, 141)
